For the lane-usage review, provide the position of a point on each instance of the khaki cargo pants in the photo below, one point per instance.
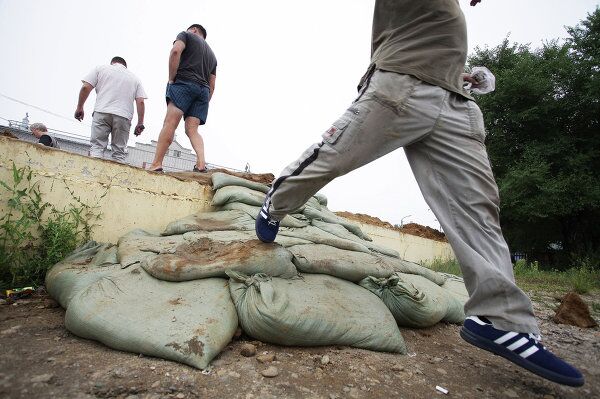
(117, 127)
(443, 137)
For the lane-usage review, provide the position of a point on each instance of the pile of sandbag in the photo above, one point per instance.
(181, 294)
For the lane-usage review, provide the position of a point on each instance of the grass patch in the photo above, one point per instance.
(445, 266)
(581, 277)
(34, 234)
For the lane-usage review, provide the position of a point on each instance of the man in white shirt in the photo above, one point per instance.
(116, 90)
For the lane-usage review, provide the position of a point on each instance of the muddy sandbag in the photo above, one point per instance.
(354, 266)
(312, 311)
(211, 221)
(86, 265)
(137, 245)
(188, 322)
(210, 256)
(296, 220)
(326, 215)
(415, 301)
(342, 232)
(229, 194)
(220, 180)
(347, 265)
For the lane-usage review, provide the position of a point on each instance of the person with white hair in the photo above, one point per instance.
(40, 131)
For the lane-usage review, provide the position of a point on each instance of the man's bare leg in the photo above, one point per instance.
(165, 138)
(191, 129)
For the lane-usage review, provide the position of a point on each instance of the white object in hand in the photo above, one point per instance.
(486, 81)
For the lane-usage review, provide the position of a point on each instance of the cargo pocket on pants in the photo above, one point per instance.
(332, 135)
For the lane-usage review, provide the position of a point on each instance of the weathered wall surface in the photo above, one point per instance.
(134, 198)
(412, 248)
(139, 199)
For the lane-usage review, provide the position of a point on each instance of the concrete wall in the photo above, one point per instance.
(134, 198)
(412, 248)
(139, 199)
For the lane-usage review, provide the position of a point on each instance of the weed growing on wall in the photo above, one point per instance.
(35, 235)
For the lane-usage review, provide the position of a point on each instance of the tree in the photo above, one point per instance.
(544, 142)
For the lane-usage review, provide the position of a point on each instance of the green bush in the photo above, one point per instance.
(35, 235)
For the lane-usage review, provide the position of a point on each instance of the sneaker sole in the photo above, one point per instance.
(258, 234)
(500, 350)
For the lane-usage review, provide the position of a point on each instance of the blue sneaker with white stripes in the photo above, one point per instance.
(266, 227)
(522, 349)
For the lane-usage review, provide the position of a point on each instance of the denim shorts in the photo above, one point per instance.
(189, 97)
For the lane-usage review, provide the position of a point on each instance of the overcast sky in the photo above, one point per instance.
(286, 71)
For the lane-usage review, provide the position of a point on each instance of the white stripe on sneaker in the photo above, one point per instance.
(506, 337)
(477, 320)
(518, 344)
(264, 215)
(529, 352)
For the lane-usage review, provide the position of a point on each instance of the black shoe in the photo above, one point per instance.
(199, 170)
(266, 228)
(522, 349)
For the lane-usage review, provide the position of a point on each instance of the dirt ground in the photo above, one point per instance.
(39, 358)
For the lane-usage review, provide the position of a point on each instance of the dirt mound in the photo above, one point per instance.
(205, 178)
(574, 311)
(411, 228)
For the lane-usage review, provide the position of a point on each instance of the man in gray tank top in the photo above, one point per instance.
(192, 75)
(412, 97)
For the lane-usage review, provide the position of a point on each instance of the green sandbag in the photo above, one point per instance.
(312, 311)
(229, 194)
(211, 221)
(326, 215)
(212, 254)
(319, 236)
(340, 231)
(455, 286)
(321, 198)
(354, 266)
(296, 220)
(415, 301)
(138, 245)
(220, 180)
(83, 267)
(188, 322)
(347, 265)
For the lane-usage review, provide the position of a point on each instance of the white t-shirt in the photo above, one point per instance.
(116, 89)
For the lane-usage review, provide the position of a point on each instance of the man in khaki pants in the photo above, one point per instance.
(412, 97)
(116, 90)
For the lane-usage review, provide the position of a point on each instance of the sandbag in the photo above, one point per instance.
(415, 301)
(326, 215)
(188, 322)
(340, 231)
(229, 194)
(456, 286)
(354, 266)
(319, 236)
(220, 180)
(84, 266)
(321, 198)
(296, 220)
(211, 221)
(137, 245)
(312, 311)
(347, 265)
(211, 256)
